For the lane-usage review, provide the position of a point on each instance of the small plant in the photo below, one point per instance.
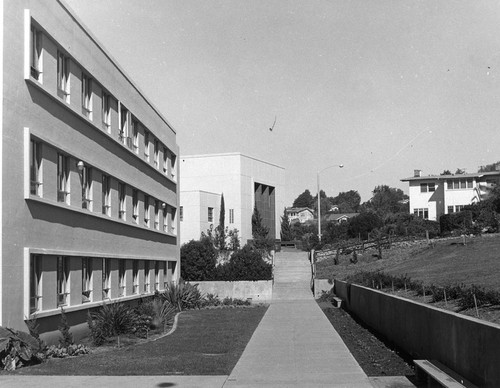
(59, 351)
(66, 336)
(111, 320)
(17, 349)
(183, 296)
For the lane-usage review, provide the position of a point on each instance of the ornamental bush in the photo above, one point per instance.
(245, 264)
(198, 259)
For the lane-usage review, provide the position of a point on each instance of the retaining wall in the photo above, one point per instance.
(466, 345)
(321, 285)
(259, 291)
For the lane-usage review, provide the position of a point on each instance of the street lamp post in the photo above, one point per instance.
(319, 199)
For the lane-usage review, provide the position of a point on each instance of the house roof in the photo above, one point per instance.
(451, 176)
(298, 209)
(338, 216)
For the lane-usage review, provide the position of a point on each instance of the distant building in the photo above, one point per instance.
(299, 214)
(89, 189)
(246, 182)
(339, 217)
(434, 195)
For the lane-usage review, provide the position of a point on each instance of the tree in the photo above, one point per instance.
(446, 172)
(490, 167)
(304, 200)
(221, 231)
(286, 231)
(259, 230)
(199, 259)
(348, 202)
(387, 200)
(363, 224)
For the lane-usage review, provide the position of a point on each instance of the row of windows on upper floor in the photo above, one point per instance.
(114, 116)
(55, 280)
(210, 214)
(455, 184)
(86, 192)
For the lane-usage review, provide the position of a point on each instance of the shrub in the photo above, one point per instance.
(110, 320)
(18, 348)
(245, 264)
(199, 259)
(59, 351)
(183, 295)
(66, 336)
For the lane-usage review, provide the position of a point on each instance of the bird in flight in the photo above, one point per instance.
(271, 129)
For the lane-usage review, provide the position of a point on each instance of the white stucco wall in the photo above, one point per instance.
(195, 213)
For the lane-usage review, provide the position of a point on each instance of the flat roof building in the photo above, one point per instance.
(89, 189)
(246, 182)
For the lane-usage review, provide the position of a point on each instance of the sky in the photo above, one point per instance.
(382, 87)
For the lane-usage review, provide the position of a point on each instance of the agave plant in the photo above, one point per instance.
(183, 295)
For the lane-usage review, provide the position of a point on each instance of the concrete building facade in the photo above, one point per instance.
(434, 195)
(245, 182)
(89, 191)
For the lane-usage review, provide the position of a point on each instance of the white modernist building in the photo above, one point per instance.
(434, 195)
(245, 181)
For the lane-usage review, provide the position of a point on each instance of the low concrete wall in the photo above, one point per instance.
(259, 291)
(468, 346)
(321, 285)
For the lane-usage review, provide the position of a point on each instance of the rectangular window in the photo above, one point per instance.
(123, 135)
(106, 278)
(106, 111)
(165, 275)
(181, 213)
(459, 208)
(210, 214)
(172, 166)
(135, 135)
(165, 160)
(62, 178)
(122, 204)
(36, 54)
(135, 277)
(146, 145)
(450, 209)
(62, 280)
(427, 187)
(157, 153)
(463, 184)
(35, 168)
(431, 187)
(87, 188)
(456, 184)
(106, 195)
(469, 183)
(422, 213)
(146, 277)
(135, 205)
(87, 96)
(35, 283)
(157, 215)
(231, 216)
(86, 279)
(165, 219)
(157, 275)
(146, 210)
(63, 82)
(121, 277)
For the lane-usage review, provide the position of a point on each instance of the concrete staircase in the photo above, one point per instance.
(292, 276)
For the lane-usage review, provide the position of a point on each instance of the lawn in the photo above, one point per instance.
(206, 342)
(445, 262)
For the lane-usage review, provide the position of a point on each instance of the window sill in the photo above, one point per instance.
(87, 212)
(105, 132)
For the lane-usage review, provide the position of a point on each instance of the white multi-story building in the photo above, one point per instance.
(88, 189)
(434, 195)
(246, 183)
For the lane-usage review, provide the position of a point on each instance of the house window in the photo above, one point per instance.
(87, 188)
(63, 82)
(106, 278)
(450, 209)
(459, 208)
(122, 205)
(231, 216)
(422, 213)
(165, 160)
(135, 205)
(135, 135)
(87, 96)
(86, 279)
(181, 213)
(135, 277)
(157, 275)
(36, 53)
(62, 280)
(62, 178)
(35, 283)
(106, 197)
(124, 131)
(121, 277)
(146, 277)
(146, 210)
(427, 187)
(146, 145)
(35, 168)
(106, 111)
(157, 215)
(157, 153)
(210, 214)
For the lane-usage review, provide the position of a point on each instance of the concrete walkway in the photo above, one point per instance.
(295, 344)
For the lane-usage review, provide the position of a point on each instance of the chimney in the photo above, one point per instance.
(417, 173)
